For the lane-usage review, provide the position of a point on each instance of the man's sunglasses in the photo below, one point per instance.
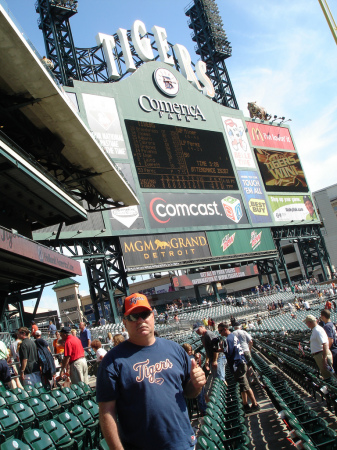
(135, 316)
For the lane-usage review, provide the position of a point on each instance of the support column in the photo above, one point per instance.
(279, 280)
(197, 294)
(215, 291)
(321, 261)
(283, 261)
(327, 256)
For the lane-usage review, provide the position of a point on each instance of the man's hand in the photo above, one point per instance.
(197, 376)
(215, 364)
(22, 376)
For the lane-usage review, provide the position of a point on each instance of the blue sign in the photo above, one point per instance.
(255, 197)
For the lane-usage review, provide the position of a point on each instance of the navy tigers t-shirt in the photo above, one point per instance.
(147, 384)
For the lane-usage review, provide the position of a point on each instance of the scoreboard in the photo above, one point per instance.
(174, 157)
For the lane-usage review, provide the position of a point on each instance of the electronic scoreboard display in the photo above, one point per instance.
(171, 157)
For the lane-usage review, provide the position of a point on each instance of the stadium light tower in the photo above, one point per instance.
(213, 47)
(58, 39)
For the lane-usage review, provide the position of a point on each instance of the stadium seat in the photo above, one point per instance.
(38, 440)
(206, 444)
(9, 423)
(52, 404)
(61, 398)
(40, 409)
(71, 395)
(21, 394)
(26, 416)
(75, 429)
(90, 393)
(88, 422)
(58, 433)
(15, 443)
(10, 397)
(103, 445)
(41, 388)
(92, 406)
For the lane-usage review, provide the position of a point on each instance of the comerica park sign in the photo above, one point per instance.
(142, 45)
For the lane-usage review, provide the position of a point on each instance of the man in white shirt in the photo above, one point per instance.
(306, 305)
(319, 346)
(245, 340)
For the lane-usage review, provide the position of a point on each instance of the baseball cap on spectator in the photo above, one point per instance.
(66, 330)
(237, 324)
(135, 301)
(196, 326)
(37, 333)
(310, 318)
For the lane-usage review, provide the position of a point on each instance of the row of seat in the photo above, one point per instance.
(312, 430)
(42, 418)
(224, 423)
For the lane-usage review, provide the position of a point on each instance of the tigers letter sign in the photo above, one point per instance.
(163, 250)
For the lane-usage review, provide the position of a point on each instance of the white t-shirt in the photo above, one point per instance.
(317, 339)
(100, 353)
(244, 339)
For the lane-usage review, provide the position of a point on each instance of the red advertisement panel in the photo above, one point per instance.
(26, 248)
(271, 136)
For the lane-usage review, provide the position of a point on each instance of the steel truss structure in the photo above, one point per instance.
(213, 47)
(105, 271)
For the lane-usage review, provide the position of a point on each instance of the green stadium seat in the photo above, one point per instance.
(2, 387)
(40, 409)
(52, 404)
(14, 443)
(25, 415)
(92, 406)
(61, 398)
(103, 445)
(41, 388)
(38, 440)
(88, 422)
(72, 396)
(10, 397)
(75, 429)
(21, 394)
(90, 393)
(9, 423)
(58, 433)
(32, 391)
(206, 444)
(3, 403)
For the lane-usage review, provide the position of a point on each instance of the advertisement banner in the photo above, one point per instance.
(194, 210)
(23, 247)
(238, 142)
(281, 171)
(163, 250)
(292, 207)
(104, 122)
(271, 136)
(255, 197)
(214, 276)
(130, 217)
(229, 242)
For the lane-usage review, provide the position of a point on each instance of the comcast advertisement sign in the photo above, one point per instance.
(239, 242)
(166, 210)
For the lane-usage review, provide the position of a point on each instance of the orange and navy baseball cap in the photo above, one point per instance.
(135, 303)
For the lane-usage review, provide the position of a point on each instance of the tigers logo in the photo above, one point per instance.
(149, 372)
(134, 300)
(255, 239)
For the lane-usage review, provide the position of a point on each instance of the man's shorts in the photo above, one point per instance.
(248, 358)
(240, 375)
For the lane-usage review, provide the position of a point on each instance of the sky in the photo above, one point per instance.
(284, 57)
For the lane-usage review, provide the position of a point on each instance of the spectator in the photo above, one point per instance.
(29, 361)
(125, 334)
(58, 344)
(211, 343)
(205, 322)
(201, 397)
(74, 356)
(13, 347)
(319, 346)
(85, 335)
(47, 364)
(117, 339)
(5, 375)
(329, 328)
(74, 331)
(109, 338)
(238, 367)
(34, 328)
(52, 329)
(328, 305)
(96, 345)
(155, 313)
(143, 381)
(306, 305)
(102, 321)
(176, 318)
(246, 342)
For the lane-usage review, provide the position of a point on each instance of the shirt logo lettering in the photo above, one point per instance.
(149, 372)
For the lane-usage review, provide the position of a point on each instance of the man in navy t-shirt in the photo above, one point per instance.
(143, 381)
(238, 365)
(329, 328)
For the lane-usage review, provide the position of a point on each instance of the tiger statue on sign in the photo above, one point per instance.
(257, 111)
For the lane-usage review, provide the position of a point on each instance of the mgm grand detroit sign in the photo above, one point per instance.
(144, 50)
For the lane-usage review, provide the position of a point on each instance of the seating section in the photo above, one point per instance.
(39, 418)
(223, 425)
